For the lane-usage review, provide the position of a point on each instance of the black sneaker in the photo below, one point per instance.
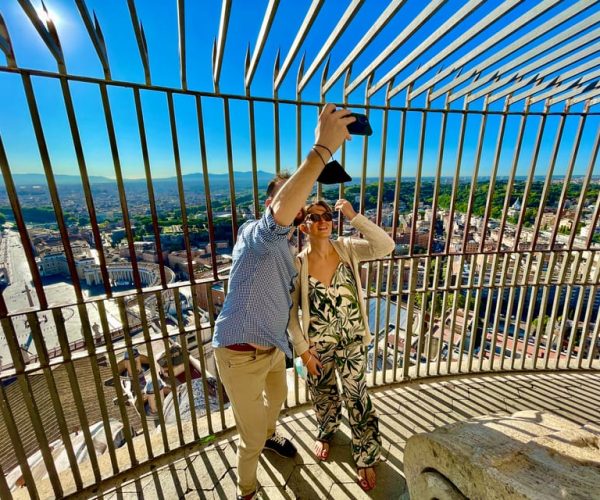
(280, 445)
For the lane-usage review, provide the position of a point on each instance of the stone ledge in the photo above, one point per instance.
(529, 455)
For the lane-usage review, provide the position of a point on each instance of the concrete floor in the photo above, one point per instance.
(404, 410)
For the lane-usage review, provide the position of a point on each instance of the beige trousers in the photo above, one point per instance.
(256, 384)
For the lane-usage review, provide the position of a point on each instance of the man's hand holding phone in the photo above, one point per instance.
(360, 126)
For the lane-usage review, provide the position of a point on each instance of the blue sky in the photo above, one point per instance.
(160, 24)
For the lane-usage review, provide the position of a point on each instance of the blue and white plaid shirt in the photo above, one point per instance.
(257, 306)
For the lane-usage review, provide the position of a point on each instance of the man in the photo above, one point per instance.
(250, 337)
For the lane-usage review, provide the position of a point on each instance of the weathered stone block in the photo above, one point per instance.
(529, 455)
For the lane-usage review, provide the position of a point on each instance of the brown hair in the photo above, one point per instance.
(317, 203)
(273, 185)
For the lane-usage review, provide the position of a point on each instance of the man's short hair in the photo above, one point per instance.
(276, 183)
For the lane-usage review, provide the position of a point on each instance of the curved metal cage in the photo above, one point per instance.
(483, 167)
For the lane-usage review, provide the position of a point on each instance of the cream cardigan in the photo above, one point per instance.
(375, 244)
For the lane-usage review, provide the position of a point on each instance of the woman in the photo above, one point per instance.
(333, 333)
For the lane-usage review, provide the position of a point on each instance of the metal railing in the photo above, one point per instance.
(470, 287)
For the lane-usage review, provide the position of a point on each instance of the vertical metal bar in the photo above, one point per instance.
(299, 137)
(234, 224)
(434, 300)
(498, 311)
(555, 306)
(542, 329)
(547, 181)
(474, 177)
(572, 269)
(181, 36)
(454, 307)
(533, 300)
(567, 181)
(438, 175)
(200, 342)
(363, 175)
(17, 444)
(96, 37)
(206, 182)
(276, 138)
(211, 317)
(378, 297)
(137, 392)
(341, 189)
(587, 266)
(380, 187)
(13, 198)
(488, 308)
(426, 297)
(174, 293)
(514, 273)
(36, 333)
(253, 154)
(476, 321)
(112, 139)
(388, 294)
(584, 189)
(593, 223)
(202, 358)
(399, 165)
(140, 38)
(45, 157)
(511, 178)
(399, 294)
(409, 316)
(417, 191)
(368, 298)
(110, 351)
(522, 298)
(30, 404)
(219, 47)
(445, 292)
(595, 334)
(456, 181)
(590, 305)
(492, 181)
(149, 185)
(61, 334)
(87, 189)
(180, 190)
(4, 489)
(153, 374)
(530, 179)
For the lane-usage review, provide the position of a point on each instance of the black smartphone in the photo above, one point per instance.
(361, 126)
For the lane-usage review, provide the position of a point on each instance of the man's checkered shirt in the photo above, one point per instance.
(257, 306)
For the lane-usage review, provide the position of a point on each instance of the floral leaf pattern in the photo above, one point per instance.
(335, 311)
(335, 329)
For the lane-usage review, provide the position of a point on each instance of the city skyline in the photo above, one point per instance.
(20, 143)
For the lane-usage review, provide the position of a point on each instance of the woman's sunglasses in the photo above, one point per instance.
(327, 217)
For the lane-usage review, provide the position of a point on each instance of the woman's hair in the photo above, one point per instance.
(316, 203)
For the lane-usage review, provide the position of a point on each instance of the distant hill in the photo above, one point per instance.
(35, 179)
(243, 179)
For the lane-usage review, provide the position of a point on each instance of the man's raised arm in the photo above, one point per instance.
(330, 134)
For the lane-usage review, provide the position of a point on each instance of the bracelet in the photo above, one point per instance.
(320, 156)
(325, 147)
